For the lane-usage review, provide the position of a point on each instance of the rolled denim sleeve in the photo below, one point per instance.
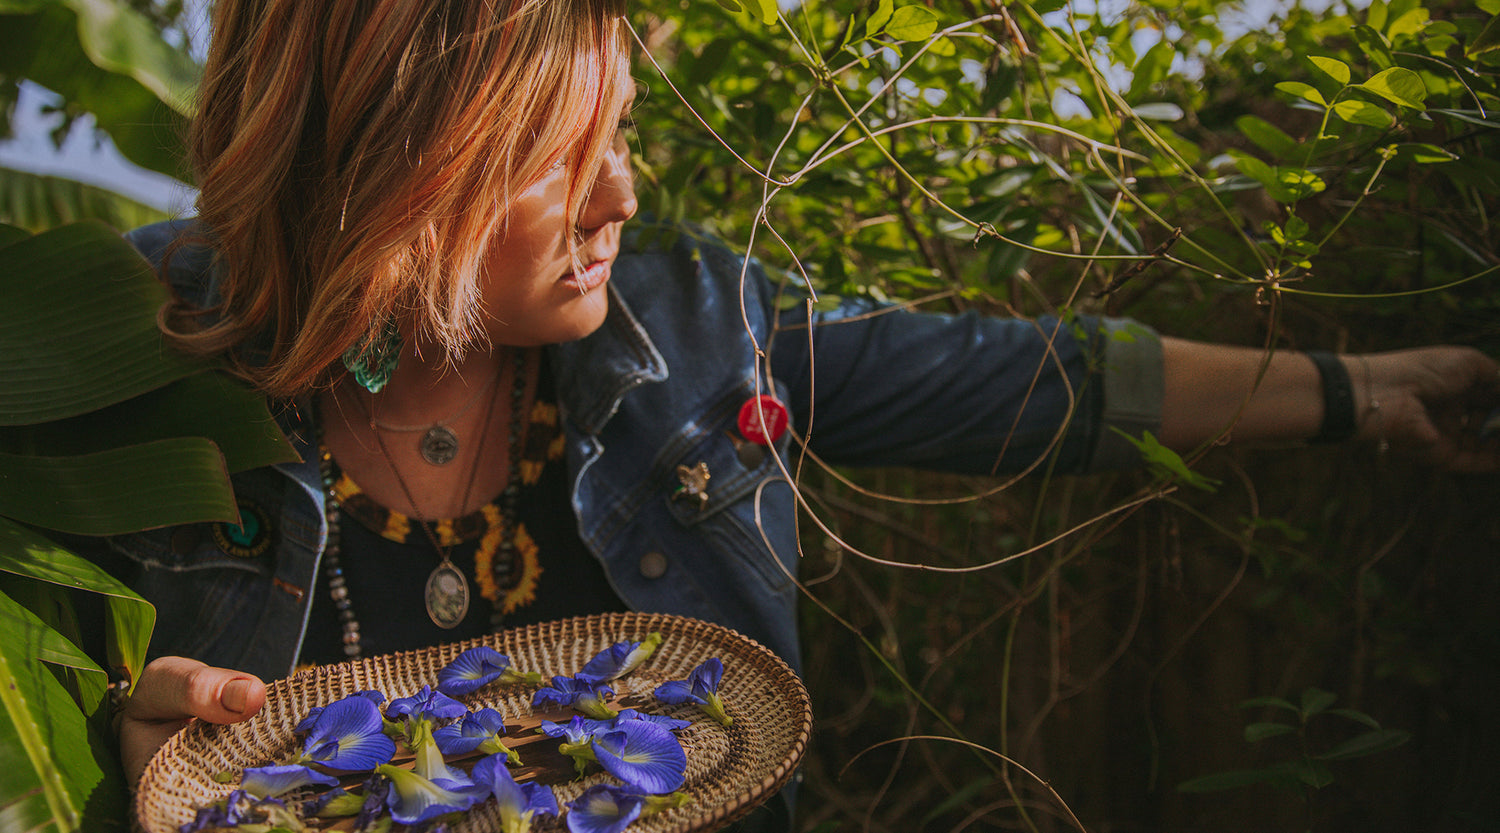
(874, 385)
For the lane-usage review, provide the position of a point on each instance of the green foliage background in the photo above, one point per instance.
(1307, 645)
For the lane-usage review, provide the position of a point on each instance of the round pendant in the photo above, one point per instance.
(447, 595)
(439, 445)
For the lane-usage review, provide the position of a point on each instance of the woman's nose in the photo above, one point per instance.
(612, 199)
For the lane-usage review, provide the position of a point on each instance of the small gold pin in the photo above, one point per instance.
(694, 480)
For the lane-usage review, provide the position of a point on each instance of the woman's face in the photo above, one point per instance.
(532, 293)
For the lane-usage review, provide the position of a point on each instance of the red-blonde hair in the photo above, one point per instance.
(355, 158)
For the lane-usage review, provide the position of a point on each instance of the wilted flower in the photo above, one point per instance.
(270, 781)
(478, 667)
(643, 755)
(585, 696)
(701, 687)
(413, 799)
(619, 659)
(480, 731)
(518, 803)
(240, 808)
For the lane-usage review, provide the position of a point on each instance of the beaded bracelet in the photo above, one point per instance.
(1339, 423)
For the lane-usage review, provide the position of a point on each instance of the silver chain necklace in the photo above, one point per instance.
(438, 443)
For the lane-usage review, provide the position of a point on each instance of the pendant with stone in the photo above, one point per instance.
(447, 595)
(439, 445)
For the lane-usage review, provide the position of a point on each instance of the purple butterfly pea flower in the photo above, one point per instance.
(271, 781)
(414, 799)
(370, 694)
(604, 808)
(479, 731)
(349, 735)
(518, 803)
(427, 704)
(619, 659)
(701, 687)
(583, 695)
(643, 755)
(478, 667)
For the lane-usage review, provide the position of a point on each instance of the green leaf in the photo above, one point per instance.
(209, 404)
(1397, 85)
(1357, 716)
(1488, 39)
(1268, 137)
(1408, 24)
(31, 556)
(731, 5)
(1368, 743)
(167, 482)
(1315, 700)
(1423, 154)
(1167, 463)
(883, 12)
(78, 326)
(11, 234)
(1354, 111)
(1312, 773)
(912, 23)
(1268, 702)
(57, 773)
(1260, 731)
(92, 65)
(1374, 45)
(1306, 92)
(1335, 69)
(767, 9)
(1151, 69)
(38, 202)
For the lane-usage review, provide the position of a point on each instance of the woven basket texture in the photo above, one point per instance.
(730, 770)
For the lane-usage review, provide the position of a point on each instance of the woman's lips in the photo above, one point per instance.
(590, 278)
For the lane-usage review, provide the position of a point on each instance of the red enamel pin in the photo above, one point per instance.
(750, 425)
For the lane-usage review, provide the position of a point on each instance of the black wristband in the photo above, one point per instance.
(1338, 399)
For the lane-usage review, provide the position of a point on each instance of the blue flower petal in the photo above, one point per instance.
(469, 734)
(676, 691)
(472, 670)
(705, 678)
(643, 755)
(266, 781)
(349, 735)
(517, 802)
(309, 721)
(414, 799)
(426, 703)
(619, 659)
(604, 809)
(584, 695)
(669, 723)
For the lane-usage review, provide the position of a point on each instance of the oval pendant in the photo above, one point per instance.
(439, 445)
(447, 596)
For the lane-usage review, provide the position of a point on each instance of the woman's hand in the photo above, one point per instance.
(1430, 402)
(171, 692)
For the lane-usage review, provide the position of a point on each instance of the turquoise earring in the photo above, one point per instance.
(373, 359)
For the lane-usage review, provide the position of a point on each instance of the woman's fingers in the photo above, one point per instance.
(173, 691)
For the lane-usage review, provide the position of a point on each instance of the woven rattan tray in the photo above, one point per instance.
(730, 770)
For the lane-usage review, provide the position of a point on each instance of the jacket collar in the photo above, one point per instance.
(594, 373)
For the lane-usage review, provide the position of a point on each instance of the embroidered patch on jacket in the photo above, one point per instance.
(250, 537)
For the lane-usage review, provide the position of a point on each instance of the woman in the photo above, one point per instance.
(410, 237)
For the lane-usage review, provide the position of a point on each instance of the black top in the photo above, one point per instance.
(386, 560)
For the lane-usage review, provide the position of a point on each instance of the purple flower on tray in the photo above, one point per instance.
(701, 687)
(414, 800)
(619, 659)
(518, 803)
(478, 667)
(348, 734)
(426, 703)
(583, 695)
(372, 695)
(271, 781)
(643, 755)
(604, 808)
(577, 740)
(480, 731)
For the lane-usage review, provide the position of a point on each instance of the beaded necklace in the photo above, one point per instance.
(338, 588)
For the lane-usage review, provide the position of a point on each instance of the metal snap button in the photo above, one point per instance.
(653, 565)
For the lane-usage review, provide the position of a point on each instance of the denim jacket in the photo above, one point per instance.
(693, 331)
